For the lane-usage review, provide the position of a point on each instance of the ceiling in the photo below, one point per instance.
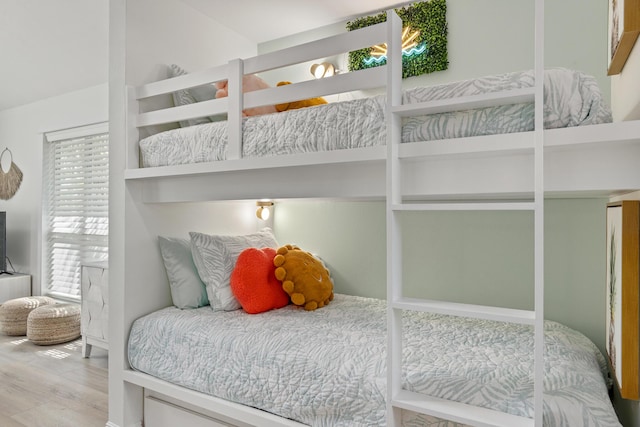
(51, 47)
(273, 19)
(55, 47)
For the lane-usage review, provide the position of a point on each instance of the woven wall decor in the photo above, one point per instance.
(9, 181)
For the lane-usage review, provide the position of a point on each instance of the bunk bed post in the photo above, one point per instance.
(236, 100)
(394, 243)
(125, 400)
(538, 382)
(132, 159)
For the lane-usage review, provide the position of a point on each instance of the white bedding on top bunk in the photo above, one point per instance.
(572, 98)
(328, 367)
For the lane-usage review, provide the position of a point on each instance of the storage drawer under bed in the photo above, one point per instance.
(159, 413)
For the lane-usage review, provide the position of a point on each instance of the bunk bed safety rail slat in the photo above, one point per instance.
(183, 112)
(369, 78)
(353, 40)
(234, 116)
(186, 81)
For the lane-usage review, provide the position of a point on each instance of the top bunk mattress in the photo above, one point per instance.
(328, 367)
(571, 98)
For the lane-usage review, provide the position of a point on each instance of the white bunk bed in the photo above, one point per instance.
(593, 160)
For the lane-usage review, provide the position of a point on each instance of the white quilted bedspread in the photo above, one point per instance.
(328, 367)
(572, 98)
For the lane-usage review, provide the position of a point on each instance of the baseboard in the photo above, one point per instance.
(138, 424)
(110, 424)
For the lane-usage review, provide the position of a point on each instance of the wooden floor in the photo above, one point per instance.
(51, 386)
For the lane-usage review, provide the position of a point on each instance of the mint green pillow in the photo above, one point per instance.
(187, 290)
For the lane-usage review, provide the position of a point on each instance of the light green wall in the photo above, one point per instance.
(348, 236)
(473, 257)
(493, 36)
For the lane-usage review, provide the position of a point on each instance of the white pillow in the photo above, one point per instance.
(187, 290)
(215, 258)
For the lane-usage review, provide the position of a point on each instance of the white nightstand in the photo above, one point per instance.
(14, 285)
(94, 288)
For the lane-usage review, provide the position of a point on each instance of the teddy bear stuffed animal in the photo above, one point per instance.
(299, 104)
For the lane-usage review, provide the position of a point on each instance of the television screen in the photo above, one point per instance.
(3, 242)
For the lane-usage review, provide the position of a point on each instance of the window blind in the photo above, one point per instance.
(76, 206)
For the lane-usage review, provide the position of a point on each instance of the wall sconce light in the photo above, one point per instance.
(325, 69)
(264, 210)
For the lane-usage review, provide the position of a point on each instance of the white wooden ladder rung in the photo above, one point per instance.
(504, 144)
(494, 99)
(465, 206)
(499, 314)
(458, 412)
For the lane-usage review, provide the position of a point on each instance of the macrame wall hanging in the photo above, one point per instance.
(9, 181)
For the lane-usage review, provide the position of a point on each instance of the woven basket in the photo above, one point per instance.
(14, 314)
(54, 324)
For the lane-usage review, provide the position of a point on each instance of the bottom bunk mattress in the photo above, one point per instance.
(328, 367)
(572, 98)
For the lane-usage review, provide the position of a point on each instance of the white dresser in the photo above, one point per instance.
(15, 285)
(95, 307)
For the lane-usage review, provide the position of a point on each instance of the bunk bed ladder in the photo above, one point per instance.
(398, 398)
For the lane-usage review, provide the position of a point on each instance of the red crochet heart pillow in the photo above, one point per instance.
(254, 284)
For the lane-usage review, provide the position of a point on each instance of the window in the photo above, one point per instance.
(75, 206)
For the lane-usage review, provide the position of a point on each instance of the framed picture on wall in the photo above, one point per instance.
(623, 296)
(624, 27)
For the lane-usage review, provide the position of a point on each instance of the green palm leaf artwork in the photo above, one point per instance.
(429, 18)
